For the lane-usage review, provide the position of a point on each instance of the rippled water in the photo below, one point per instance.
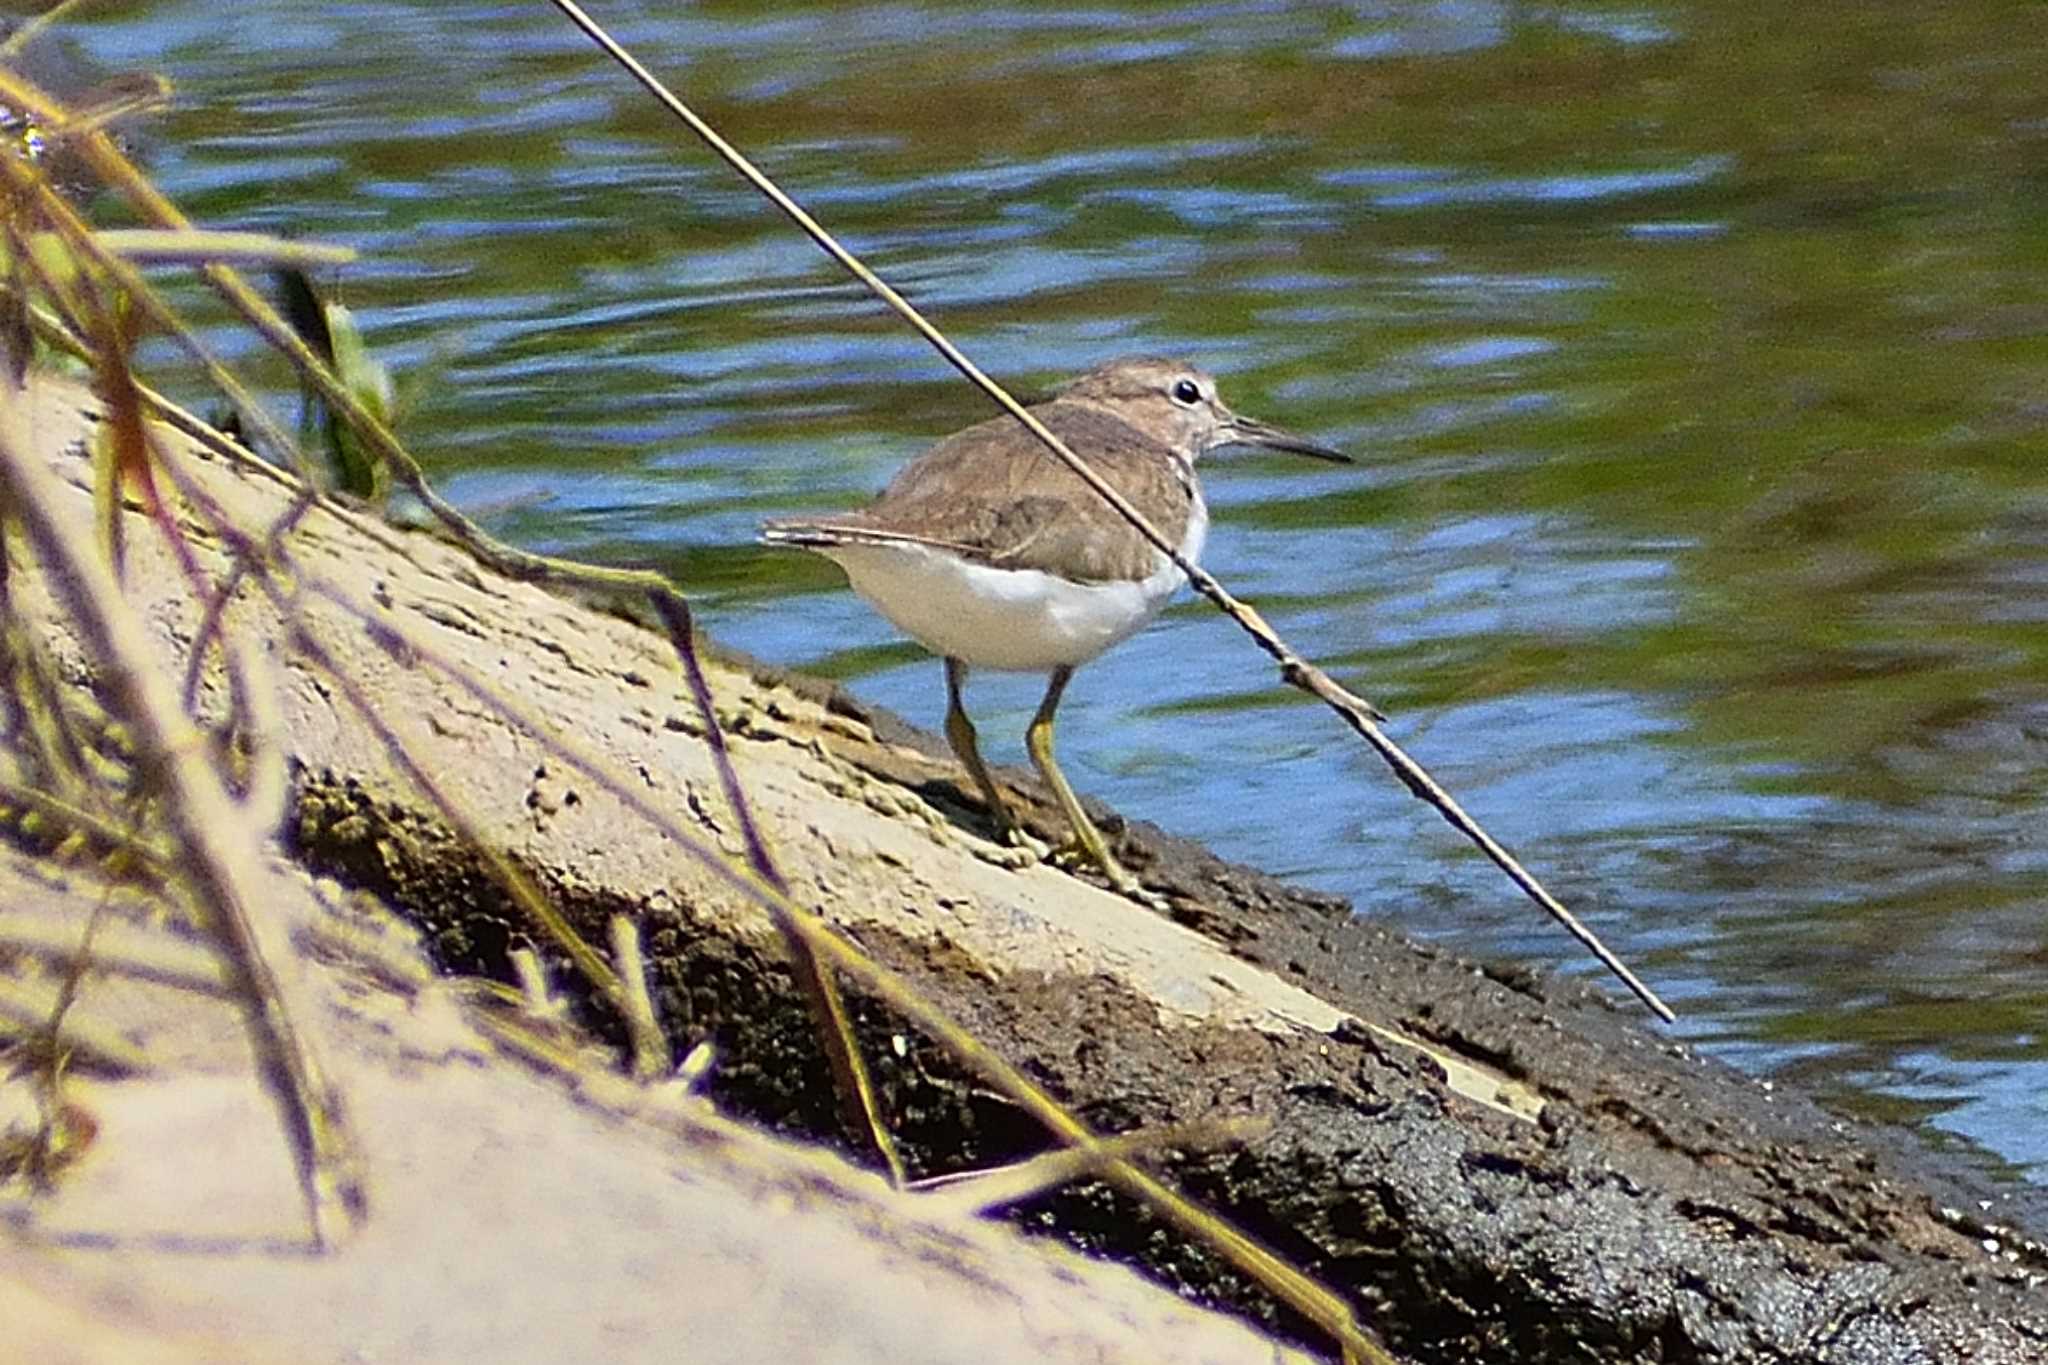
(1697, 357)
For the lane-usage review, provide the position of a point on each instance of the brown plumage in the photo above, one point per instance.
(1026, 510)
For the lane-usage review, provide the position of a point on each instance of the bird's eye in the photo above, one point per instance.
(1185, 392)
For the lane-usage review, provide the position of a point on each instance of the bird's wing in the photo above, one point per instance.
(1034, 513)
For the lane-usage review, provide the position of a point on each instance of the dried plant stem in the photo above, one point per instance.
(87, 1040)
(540, 1001)
(23, 179)
(117, 947)
(162, 246)
(860, 1107)
(33, 25)
(984, 1192)
(152, 864)
(642, 1021)
(836, 1033)
(218, 852)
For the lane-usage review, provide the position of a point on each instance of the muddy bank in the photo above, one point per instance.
(1493, 1168)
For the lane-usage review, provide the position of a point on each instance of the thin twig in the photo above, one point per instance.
(267, 786)
(100, 1043)
(984, 1192)
(861, 1108)
(541, 1001)
(118, 947)
(33, 25)
(170, 246)
(641, 1019)
(154, 863)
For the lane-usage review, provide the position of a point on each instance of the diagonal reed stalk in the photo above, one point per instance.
(1298, 672)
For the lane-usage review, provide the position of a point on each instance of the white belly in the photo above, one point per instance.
(1022, 619)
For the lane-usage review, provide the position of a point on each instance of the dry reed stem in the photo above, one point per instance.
(86, 1040)
(641, 1018)
(33, 25)
(538, 999)
(980, 1193)
(117, 947)
(157, 246)
(218, 850)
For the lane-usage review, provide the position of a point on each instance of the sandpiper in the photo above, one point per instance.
(991, 553)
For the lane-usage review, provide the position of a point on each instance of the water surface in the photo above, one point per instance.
(1696, 355)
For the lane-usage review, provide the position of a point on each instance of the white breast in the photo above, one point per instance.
(1022, 619)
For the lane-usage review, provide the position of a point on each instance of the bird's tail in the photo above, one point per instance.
(807, 534)
(826, 535)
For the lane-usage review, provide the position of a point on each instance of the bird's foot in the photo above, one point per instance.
(1077, 855)
(1013, 849)
(1037, 849)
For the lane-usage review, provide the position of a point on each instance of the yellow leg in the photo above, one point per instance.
(1038, 739)
(960, 734)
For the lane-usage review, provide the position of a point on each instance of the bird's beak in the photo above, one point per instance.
(1247, 431)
